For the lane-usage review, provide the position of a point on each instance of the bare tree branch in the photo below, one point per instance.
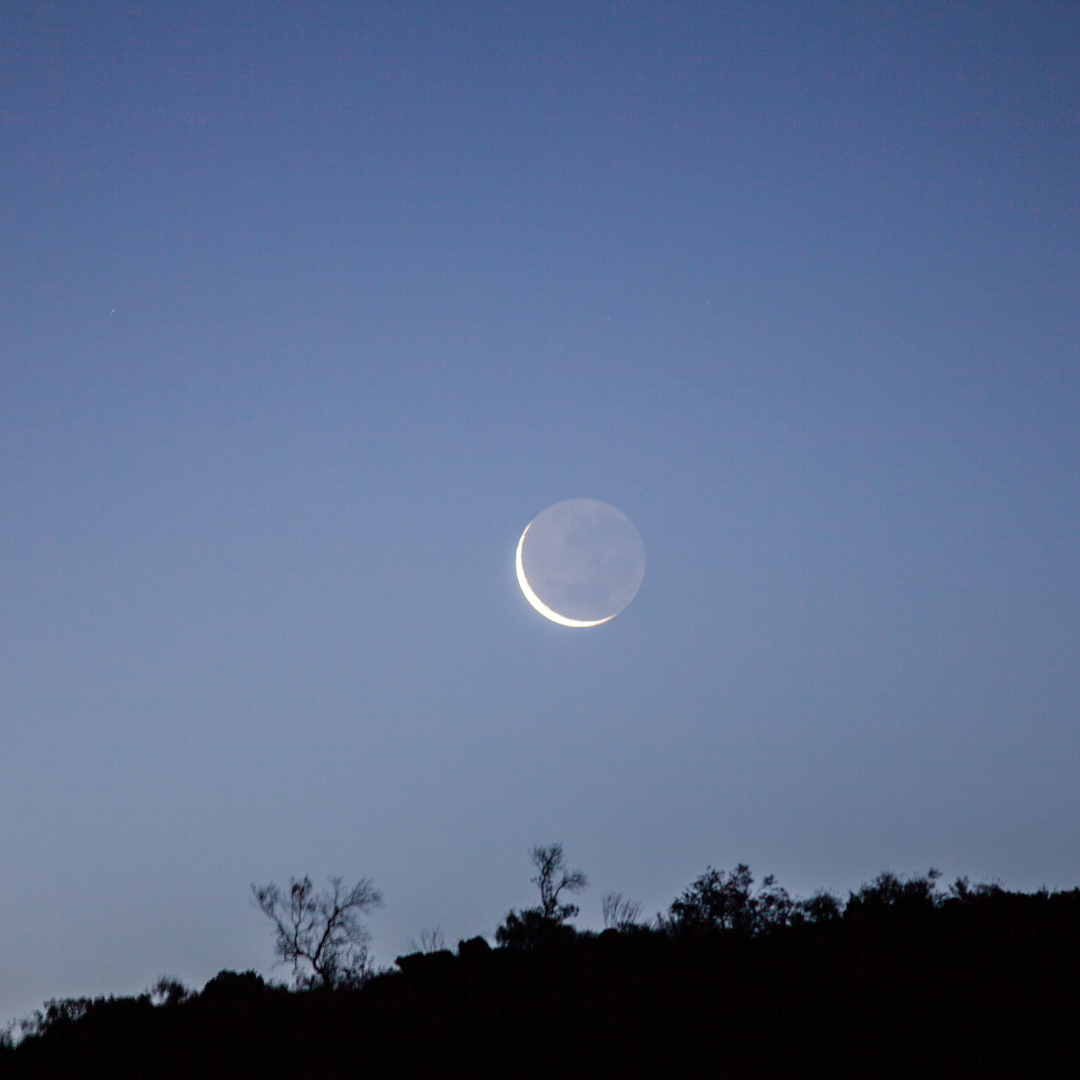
(320, 934)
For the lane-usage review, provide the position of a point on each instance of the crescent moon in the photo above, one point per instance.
(539, 604)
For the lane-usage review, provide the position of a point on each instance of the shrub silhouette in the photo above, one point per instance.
(890, 894)
(618, 912)
(720, 901)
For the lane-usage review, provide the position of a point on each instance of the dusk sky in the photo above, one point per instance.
(306, 310)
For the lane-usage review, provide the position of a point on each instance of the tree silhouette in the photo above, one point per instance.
(320, 934)
(552, 878)
(891, 893)
(169, 990)
(721, 900)
(547, 922)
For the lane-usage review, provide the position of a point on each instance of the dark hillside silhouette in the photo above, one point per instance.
(900, 980)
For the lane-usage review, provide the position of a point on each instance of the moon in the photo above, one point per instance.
(580, 562)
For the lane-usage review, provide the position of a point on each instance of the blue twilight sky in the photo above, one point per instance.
(307, 309)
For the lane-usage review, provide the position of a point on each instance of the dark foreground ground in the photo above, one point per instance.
(982, 986)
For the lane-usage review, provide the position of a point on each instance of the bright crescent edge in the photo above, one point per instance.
(539, 604)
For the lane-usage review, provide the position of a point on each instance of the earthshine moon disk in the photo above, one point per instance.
(580, 562)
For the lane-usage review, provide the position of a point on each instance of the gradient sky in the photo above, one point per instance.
(307, 309)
